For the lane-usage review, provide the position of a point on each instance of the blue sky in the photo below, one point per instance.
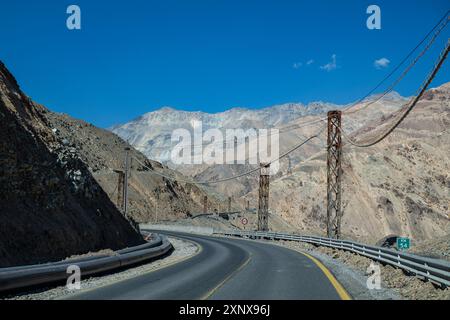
(132, 57)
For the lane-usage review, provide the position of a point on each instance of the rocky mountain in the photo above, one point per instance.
(151, 133)
(152, 196)
(51, 207)
(400, 186)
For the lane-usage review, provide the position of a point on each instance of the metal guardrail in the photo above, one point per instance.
(21, 277)
(434, 270)
(205, 214)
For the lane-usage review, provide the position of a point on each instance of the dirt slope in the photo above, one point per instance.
(151, 196)
(398, 187)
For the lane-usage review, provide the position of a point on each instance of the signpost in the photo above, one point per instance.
(403, 243)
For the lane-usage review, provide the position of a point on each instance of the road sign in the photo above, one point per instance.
(403, 243)
(244, 221)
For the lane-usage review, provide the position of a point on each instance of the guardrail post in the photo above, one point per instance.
(426, 266)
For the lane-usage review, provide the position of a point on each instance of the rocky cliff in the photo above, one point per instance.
(50, 205)
(400, 186)
(151, 196)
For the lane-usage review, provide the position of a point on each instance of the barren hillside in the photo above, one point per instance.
(151, 195)
(50, 205)
(400, 186)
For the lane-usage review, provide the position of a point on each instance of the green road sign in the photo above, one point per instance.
(403, 243)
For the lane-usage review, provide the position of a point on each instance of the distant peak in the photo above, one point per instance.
(165, 109)
(391, 96)
(444, 86)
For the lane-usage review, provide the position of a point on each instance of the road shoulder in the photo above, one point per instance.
(353, 281)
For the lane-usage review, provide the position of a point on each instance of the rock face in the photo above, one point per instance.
(151, 196)
(50, 205)
(151, 133)
(398, 187)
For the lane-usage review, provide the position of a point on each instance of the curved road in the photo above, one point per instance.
(229, 269)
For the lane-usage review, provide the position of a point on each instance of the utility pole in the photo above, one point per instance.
(263, 200)
(229, 204)
(205, 204)
(188, 188)
(334, 174)
(289, 170)
(235, 150)
(157, 206)
(120, 182)
(125, 189)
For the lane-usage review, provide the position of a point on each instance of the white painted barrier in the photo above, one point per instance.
(179, 228)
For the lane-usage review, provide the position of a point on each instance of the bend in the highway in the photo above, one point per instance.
(229, 269)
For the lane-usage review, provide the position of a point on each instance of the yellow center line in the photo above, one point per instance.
(213, 290)
(343, 294)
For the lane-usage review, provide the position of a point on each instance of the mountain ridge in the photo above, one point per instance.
(394, 95)
(305, 210)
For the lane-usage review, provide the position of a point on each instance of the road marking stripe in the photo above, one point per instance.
(343, 294)
(213, 290)
(337, 286)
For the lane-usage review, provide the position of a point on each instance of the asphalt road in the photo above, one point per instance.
(228, 269)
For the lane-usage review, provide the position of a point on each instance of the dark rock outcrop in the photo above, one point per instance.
(50, 205)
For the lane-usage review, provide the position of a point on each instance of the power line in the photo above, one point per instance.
(268, 163)
(280, 131)
(194, 181)
(298, 146)
(412, 103)
(298, 126)
(440, 27)
(236, 176)
(152, 171)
